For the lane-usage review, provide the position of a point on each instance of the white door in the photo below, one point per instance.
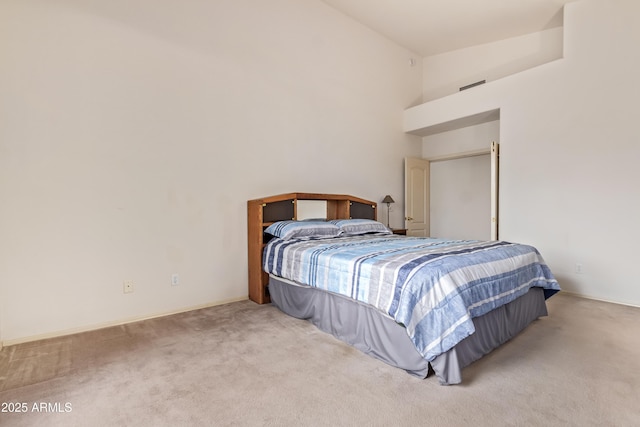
(416, 196)
(495, 155)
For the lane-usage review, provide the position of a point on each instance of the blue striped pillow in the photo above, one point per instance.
(360, 226)
(302, 229)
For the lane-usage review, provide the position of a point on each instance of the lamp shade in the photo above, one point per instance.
(387, 199)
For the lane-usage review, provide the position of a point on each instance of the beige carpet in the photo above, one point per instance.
(248, 365)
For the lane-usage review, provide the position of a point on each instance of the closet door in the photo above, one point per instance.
(416, 189)
(495, 158)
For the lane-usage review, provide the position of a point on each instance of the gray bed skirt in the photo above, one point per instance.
(379, 336)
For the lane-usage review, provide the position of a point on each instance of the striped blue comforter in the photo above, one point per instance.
(433, 287)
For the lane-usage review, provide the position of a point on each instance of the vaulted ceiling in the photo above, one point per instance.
(429, 27)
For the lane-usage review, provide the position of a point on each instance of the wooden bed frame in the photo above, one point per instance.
(265, 211)
(361, 325)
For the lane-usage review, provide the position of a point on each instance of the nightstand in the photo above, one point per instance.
(401, 231)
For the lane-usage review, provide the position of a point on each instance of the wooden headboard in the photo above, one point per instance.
(265, 211)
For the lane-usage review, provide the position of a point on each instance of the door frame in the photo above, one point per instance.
(494, 151)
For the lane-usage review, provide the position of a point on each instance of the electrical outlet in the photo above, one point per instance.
(579, 268)
(127, 287)
(175, 279)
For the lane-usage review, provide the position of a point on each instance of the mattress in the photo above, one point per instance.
(433, 287)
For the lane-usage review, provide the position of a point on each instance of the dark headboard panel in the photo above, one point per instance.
(278, 211)
(265, 211)
(363, 210)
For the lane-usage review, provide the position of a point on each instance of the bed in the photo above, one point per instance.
(415, 303)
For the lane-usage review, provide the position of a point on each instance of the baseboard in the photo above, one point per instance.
(599, 299)
(7, 343)
(57, 334)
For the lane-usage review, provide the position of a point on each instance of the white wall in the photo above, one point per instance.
(446, 73)
(569, 150)
(132, 133)
(460, 196)
(461, 189)
(469, 138)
